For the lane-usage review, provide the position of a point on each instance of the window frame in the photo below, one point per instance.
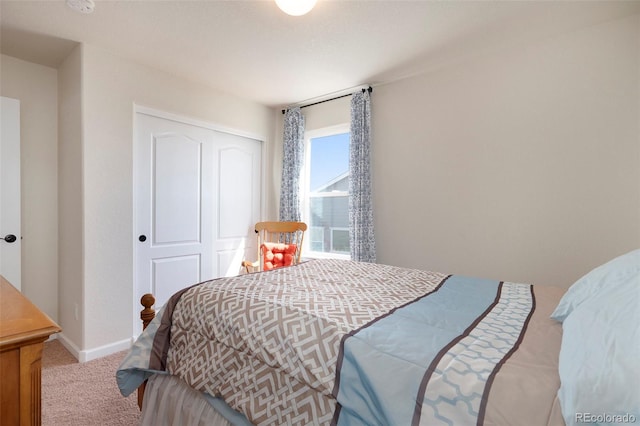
(305, 190)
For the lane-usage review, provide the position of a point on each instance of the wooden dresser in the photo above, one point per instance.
(23, 331)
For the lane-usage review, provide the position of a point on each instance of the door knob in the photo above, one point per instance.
(9, 238)
(142, 238)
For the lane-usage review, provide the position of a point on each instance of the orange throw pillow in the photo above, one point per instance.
(277, 255)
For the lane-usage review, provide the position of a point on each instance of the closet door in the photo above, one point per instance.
(197, 197)
(239, 178)
(10, 244)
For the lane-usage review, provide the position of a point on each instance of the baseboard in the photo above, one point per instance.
(69, 345)
(91, 354)
(105, 350)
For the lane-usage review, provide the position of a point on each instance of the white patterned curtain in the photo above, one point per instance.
(292, 159)
(363, 245)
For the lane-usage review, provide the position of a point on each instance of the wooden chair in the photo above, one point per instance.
(279, 244)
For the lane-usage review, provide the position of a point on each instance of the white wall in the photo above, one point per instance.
(70, 190)
(111, 87)
(522, 165)
(36, 87)
(328, 114)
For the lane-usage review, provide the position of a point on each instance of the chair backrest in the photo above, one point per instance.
(279, 243)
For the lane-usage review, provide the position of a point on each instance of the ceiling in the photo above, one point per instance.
(253, 50)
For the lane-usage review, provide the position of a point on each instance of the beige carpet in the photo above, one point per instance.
(83, 394)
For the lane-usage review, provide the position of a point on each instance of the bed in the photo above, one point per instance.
(349, 343)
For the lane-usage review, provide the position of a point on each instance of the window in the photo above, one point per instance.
(316, 234)
(340, 240)
(326, 192)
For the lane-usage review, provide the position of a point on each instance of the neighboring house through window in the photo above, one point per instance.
(326, 192)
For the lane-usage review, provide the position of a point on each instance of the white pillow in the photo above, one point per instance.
(599, 280)
(599, 362)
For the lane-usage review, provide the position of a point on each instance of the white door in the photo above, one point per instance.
(197, 198)
(238, 199)
(10, 244)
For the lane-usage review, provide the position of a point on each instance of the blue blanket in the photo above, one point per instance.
(440, 351)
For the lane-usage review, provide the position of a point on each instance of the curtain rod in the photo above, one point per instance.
(368, 89)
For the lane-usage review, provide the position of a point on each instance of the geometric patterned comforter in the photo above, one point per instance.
(342, 342)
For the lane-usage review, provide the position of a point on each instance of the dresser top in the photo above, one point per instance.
(21, 320)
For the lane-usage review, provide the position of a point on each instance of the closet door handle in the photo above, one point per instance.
(9, 238)
(142, 238)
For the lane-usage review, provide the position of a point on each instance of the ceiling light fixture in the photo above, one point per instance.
(82, 6)
(296, 7)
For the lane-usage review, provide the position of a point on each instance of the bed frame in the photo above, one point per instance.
(146, 315)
